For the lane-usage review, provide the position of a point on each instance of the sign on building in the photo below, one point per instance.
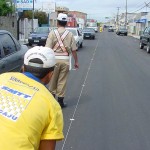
(48, 7)
(24, 5)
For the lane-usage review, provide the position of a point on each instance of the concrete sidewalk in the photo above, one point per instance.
(135, 36)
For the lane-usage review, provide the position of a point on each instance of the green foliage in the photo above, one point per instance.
(99, 24)
(27, 14)
(41, 16)
(5, 7)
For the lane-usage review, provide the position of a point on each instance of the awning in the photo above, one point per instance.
(141, 21)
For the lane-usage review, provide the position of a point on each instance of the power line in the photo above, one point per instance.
(139, 4)
(141, 8)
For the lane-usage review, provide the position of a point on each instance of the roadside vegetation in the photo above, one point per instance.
(41, 16)
(6, 7)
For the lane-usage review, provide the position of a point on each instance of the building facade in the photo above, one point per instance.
(81, 18)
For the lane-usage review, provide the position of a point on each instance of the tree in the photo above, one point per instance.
(5, 7)
(41, 16)
(99, 24)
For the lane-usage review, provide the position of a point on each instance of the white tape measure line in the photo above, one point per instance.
(83, 85)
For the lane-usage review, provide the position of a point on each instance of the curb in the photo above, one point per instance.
(135, 36)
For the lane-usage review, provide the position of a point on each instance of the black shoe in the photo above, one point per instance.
(61, 102)
(63, 105)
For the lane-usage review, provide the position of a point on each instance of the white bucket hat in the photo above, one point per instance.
(45, 54)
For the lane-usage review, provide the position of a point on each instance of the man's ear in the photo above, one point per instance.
(47, 78)
(51, 74)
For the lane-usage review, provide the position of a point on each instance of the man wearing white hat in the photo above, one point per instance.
(63, 43)
(30, 117)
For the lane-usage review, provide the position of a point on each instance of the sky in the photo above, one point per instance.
(102, 10)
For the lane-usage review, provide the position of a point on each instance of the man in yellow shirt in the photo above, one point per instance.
(30, 117)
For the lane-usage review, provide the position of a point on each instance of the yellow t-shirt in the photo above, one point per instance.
(28, 113)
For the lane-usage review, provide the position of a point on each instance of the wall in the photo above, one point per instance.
(9, 23)
(26, 27)
(79, 15)
(53, 19)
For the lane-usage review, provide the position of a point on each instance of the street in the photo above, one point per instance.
(108, 97)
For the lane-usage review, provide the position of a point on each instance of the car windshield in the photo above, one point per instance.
(92, 24)
(74, 32)
(42, 30)
(88, 30)
(123, 28)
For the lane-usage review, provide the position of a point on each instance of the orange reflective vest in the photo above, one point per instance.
(60, 44)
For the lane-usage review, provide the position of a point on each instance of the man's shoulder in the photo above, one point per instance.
(7, 75)
(21, 81)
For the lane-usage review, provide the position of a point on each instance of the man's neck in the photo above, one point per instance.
(60, 26)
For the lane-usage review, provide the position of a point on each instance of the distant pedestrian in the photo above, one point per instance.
(30, 117)
(63, 43)
(101, 29)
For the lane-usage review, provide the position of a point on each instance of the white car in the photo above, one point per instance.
(77, 35)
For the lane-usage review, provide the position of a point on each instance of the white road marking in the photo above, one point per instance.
(73, 116)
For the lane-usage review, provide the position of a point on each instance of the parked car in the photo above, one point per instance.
(122, 30)
(53, 28)
(88, 33)
(110, 29)
(80, 30)
(145, 39)
(94, 27)
(39, 36)
(77, 35)
(11, 52)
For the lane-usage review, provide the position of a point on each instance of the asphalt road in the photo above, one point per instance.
(108, 97)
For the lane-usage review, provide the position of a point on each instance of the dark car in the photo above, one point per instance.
(122, 30)
(145, 39)
(11, 52)
(39, 36)
(88, 33)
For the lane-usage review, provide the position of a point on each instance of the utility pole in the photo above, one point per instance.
(147, 6)
(126, 15)
(117, 19)
(33, 17)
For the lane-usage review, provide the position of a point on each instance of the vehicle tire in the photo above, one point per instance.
(78, 45)
(93, 37)
(148, 47)
(81, 45)
(141, 45)
(29, 44)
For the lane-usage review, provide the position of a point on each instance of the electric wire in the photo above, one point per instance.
(140, 8)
